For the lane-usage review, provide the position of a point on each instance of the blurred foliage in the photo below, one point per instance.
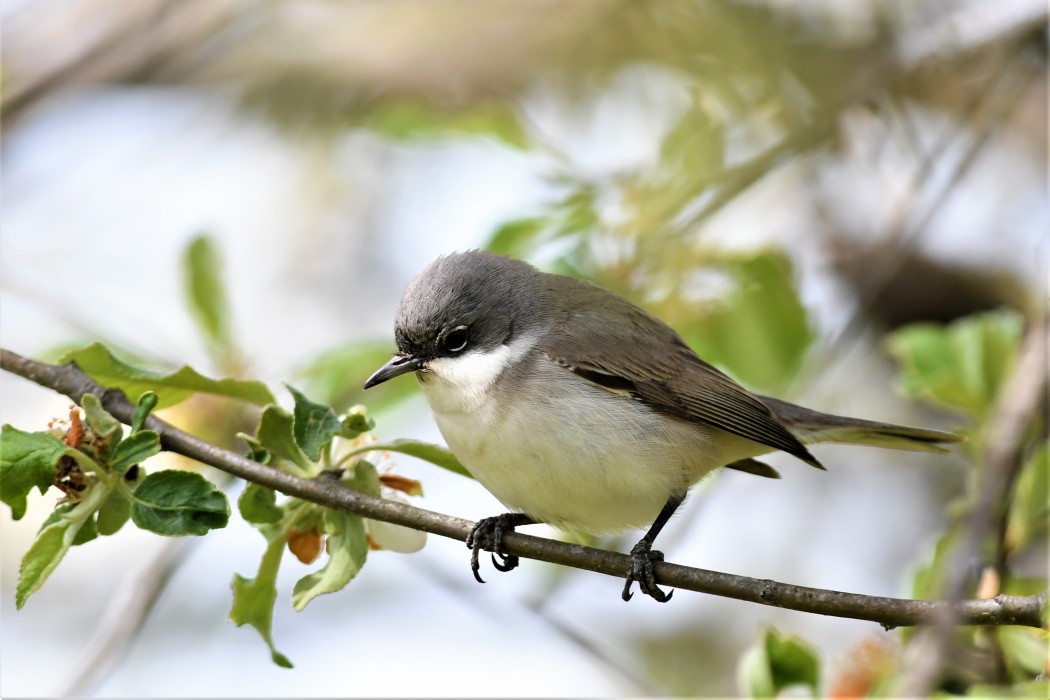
(759, 85)
(778, 662)
(759, 330)
(1030, 510)
(960, 367)
(867, 671)
(756, 86)
(304, 103)
(208, 302)
(899, 285)
(742, 54)
(336, 376)
(680, 661)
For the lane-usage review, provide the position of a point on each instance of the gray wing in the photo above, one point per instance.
(629, 350)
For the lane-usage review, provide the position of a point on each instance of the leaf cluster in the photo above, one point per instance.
(312, 441)
(99, 469)
(98, 465)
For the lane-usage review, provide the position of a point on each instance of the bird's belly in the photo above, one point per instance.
(585, 460)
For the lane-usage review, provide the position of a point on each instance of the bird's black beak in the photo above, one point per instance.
(398, 365)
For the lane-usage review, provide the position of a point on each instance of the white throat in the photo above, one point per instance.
(461, 384)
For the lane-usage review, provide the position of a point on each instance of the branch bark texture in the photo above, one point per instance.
(889, 612)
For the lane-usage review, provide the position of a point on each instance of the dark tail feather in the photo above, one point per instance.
(753, 466)
(812, 426)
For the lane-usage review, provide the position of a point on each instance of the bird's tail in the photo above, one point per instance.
(812, 426)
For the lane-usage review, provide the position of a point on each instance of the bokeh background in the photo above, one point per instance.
(783, 181)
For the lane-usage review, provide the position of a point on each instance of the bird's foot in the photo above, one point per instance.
(488, 535)
(642, 557)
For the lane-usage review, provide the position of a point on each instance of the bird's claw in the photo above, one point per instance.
(642, 557)
(506, 562)
(488, 534)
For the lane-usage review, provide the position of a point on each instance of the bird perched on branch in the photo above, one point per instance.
(576, 408)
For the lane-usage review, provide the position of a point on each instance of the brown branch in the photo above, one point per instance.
(889, 612)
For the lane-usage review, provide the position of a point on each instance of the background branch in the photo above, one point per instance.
(889, 612)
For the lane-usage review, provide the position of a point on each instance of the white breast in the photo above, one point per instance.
(559, 448)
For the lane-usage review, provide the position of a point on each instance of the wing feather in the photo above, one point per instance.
(629, 350)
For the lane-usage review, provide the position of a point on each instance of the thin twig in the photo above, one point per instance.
(890, 612)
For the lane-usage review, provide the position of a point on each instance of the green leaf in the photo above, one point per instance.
(347, 550)
(276, 435)
(253, 599)
(1030, 510)
(86, 522)
(258, 505)
(206, 293)
(136, 448)
(694, 148)
(1028, 690)
(314, 425)
(174, 502)
(147, 402)
(435, 454)
(44, 556)
(778, 662)
(1024, 585)
(416, 119)
(106, 369)
(577, 213)
(517, 237)
(88, 531)
(41, 559)
(115, 511)
(928, 581)
(99, 420)
(26, 460)
(692, 158)
(759, 332)
(959, 366)
(792, 662)
(355, 424)
(256, 452)
(365, 478)
(58, 515)
(1026, 647)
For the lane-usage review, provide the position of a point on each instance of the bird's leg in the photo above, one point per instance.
(643, 555)
(488, 534)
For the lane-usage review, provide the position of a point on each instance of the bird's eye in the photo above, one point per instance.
(456, 339)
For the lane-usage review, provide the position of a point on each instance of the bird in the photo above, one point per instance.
(576, 408)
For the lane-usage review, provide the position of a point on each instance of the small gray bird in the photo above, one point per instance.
(576, 408)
